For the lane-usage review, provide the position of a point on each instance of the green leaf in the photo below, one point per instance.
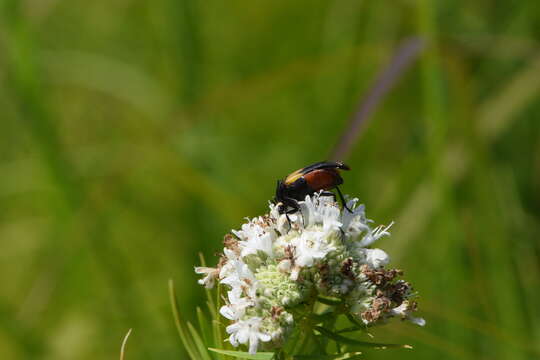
(182, 330)
(212, 309)
(348, 329)
(327, 315)
(292, 341)
(204, 326)
(351, 318)
(329, 301)
(245, 355)
(346, 340)
(217, 327)
(358, 326)
(342, 356)
(123, 347)
(497, 114)
(199, 343)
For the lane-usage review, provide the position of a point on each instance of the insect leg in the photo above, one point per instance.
(328, 193)
(295, 207)
(343, 200)
(288, 220)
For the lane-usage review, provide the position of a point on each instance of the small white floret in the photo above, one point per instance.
(375, 234)
(376, 258)
(247, 331)
(211, 274)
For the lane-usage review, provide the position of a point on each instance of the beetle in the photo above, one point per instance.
(296, 186)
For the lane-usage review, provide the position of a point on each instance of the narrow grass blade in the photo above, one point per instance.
(497, 113)
(348, 329)
(355, 322)
(346, 340)
(216, 323)
(204, 326)
(245, 355)
(358, 326)
(343, 356)
(323, 317)
(214, 314)
(212, 309)
(199, 343)
(328, 301)
(182, 331)
(123, 347)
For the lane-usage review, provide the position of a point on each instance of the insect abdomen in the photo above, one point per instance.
(324, 179)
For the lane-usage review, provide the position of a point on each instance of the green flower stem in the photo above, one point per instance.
(329, 301)
(355, 322)
(348, 329)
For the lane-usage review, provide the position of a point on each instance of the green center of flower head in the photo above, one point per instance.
(277, 269)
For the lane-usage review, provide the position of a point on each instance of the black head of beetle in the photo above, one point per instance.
(295, 187)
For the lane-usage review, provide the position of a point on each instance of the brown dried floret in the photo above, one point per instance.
(268, 220)
(389, 293)
(276, 311)
(231, 242)
(380, 277)
(222, 261)
(289, 252)
(380, 305)
(324, 273)
(399, 291)
(288, 255)
(347, 268)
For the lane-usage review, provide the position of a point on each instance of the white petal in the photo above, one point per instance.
(376, 258)
(253, 344)
(243, 335)
(284, 266)
(264, 337)
(375, 235)
(228, 312)
(417, 321)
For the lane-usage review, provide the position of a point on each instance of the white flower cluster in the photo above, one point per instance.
(276, 262)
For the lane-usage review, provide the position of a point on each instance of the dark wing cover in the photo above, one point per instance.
(325, 165)
(291, 178)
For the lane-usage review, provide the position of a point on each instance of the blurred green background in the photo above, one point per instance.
(135, 134)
